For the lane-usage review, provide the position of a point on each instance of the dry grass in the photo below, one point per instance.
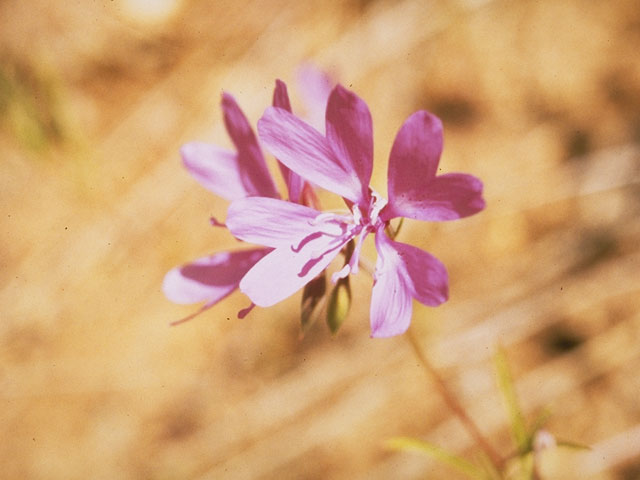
(539, 99)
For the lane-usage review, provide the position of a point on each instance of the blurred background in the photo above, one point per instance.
(540, 99)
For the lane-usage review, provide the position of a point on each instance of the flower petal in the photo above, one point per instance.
(415, 154)
(294, 182)
(391, 304)
(305, 151)
(252, 167)
(281, 96)
(350, 134)
(284, 271)
(270, 222)
(315, 87)
(403, 272)
(446, 197)
(216, 169)
(210, 278)
(426, 275)
(414, 190)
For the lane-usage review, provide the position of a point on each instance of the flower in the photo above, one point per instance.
(231, 175)
(305, 240)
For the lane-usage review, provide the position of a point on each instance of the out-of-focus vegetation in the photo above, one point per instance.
(30, 106)
(540, 100)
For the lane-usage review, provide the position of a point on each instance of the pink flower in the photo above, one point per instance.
(305, 240)
(231, 175)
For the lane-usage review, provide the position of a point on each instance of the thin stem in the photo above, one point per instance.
(444, 391)
(453, 403)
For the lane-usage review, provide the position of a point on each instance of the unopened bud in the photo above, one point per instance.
(312, 296)
(339, 304)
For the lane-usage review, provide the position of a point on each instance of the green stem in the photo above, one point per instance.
(453, 403)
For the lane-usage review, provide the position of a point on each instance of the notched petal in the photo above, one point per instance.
(210, 278)
(403, 272)
(294, 182)
(216, 169)
(305, 151)
(315, 87)
(446, 197)
(415, 154)
(252, 167)
(270, 222)
(350, 133)
(283, 272)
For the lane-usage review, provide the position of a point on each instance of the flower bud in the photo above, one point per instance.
(339, 304)
(312, 296)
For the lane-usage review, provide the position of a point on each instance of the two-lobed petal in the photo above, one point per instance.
(403, 272)
(315, 87)
(305, 151)
(446, 197)
(414, 189)
(342, 161)
(269, 221)
(294, 182)
(228, 174)
(251, 165)
(210, 278)
(216, 169)
(350, 134)
(284, 271)
(391, 308)
(303, 245)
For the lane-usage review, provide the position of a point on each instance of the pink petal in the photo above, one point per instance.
(252, 167)
(270, 222)
(305, 151)
(210, 278)
(294, 182)
(391, 304)
(281, 96)
(315, 87)
(446, 197)
(350, 134)
(414, 190)
(284, 271)
(403, 272)
(415, 153)
(426, 275)
(214, 168)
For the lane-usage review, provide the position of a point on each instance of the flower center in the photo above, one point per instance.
(341, 228)
(366, 223)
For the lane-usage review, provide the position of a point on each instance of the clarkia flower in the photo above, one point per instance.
(305, 240)
(232, 175)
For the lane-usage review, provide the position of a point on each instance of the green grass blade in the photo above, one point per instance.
(572, 445)
(505, 383)
(414, 445)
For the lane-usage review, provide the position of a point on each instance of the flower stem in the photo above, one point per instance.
(453, 403)
(444, 391)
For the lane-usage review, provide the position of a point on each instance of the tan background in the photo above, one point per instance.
(540, 99)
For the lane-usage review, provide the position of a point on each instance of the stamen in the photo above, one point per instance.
(343, 272)
(318, 254)
(331, 223)
(355, 256)
(245, 311)
(305, 240)
(216, 223)
(332, 229)
(330, 216)
(357, 215)
(336, 242)
(378, 203)
(193, 315)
